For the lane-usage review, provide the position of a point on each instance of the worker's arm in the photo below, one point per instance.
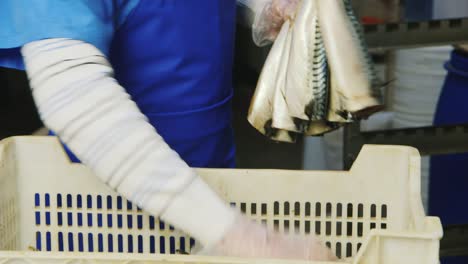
(78, 98)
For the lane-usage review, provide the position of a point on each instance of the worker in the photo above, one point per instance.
(448, 181)
(140, 90)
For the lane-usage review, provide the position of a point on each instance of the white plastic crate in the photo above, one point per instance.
(371, 214)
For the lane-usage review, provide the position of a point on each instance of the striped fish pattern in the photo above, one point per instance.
(359, 35)
(320, 93)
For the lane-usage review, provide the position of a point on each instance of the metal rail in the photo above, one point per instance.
(428, 140)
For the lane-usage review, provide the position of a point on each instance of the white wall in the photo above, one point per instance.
(450, 8)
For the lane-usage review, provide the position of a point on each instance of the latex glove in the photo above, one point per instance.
(249, 239)
(269, 18)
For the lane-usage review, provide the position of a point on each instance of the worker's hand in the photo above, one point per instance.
(269, 18)
(248, 239)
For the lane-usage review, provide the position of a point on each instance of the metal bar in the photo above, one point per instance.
(416, 34)
(378, 37)
(428, 140)
(406, 34)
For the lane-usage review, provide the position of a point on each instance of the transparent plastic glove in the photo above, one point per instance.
(251, 240)
(269, 18)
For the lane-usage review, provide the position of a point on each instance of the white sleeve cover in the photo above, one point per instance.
(78, 98)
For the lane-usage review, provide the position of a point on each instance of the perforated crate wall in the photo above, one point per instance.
(97, 223)
(101, 223)
(8, 222)
(343, 226)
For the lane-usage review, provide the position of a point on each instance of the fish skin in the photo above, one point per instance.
(299, 91)
(377, 84)
(282, 119)
(313, 82)
(320, 80)
(285, 136)
(359, 35)
(261, 108)
(351, 89)
(321, 127)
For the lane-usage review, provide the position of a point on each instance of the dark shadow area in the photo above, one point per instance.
(18, 114)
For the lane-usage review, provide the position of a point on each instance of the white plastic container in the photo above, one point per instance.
(372, 213)
(420, 75)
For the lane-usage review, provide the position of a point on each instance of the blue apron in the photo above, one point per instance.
(448, 192)
(174, 57)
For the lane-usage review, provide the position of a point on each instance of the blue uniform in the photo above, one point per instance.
(174, 57)
(449, 173)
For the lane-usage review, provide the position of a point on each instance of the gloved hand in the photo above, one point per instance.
(248, 239)
(269, 17)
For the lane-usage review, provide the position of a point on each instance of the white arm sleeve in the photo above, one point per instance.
(79, 99)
